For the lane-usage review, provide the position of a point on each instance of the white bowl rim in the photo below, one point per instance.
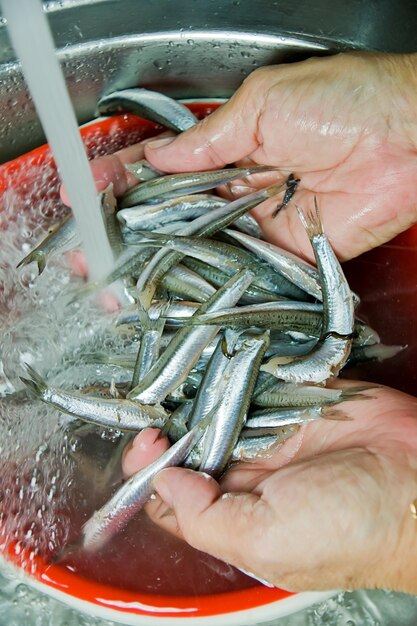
(247, 617)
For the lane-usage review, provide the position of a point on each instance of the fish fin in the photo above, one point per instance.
(229, 341)
(311, 220)
(356, 393)
(34, 257)
(292, 184)
(149, 234)
(35, 382)
(77, 294)
(133, 168)
(381, 351)
(64, 553)
(164, 431)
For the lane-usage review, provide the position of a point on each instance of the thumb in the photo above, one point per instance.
(220, 524)
(227, 135)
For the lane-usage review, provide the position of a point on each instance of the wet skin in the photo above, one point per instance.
(331, 508)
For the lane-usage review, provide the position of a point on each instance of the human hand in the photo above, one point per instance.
(346, 125)
(330, 509)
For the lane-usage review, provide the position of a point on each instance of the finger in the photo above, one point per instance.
(78, 262)
(223, 525)
(106, 170)
(353, 223)
(225, 136)
(110, 169)
(145, 448)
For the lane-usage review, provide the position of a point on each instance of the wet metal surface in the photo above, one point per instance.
(189, 48)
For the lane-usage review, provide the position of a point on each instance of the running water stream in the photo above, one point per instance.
(32, 40)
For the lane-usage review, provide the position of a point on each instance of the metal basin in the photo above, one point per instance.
(189, 48)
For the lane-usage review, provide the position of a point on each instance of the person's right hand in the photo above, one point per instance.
(330, 509)
(346, 125)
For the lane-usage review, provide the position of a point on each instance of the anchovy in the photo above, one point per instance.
(364, 335)
(203, 226)
(293, 268)
(152, 216)
(189, 182)
(230, 259)
(287, 315)
(234, 400)
(105, 412)
(142, 170)
(215, 276)
(135, 493)
(377, 352)
(60, 238)
(184, 350)
(261, 447)
(206, 397)
(152, 327)
(183, 282)
(331, 353)
(292, 184)
(150, 105)
(108, 206)
(177, 425)
(269, 419)
(285, 346)
(175, 309)
(281, 394)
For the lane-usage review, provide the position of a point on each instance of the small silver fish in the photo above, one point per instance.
(135, 493)
(151, 105)
(105, 412)
(332, 351)
(152, 327)
(142, 170)
(190, 182)
(267, 420)
(281, 394)
(203, 226)
(183, 352)
(60, 238)
(257, 448)
(152, 216)
(233, 403)
(293, 268)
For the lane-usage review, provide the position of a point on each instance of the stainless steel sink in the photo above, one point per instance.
(189, 48)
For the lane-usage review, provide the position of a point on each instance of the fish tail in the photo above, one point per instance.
(149, 234)
(96, 357)
(79, 293)
(35, 382)
(311, 220)
(164, 431)
(356, 393)
(34, 257)
(64, 553)
(156, 321)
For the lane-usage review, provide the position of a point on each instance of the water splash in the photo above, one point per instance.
(32, 40)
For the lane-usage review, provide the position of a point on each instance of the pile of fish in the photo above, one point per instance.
(237, 336)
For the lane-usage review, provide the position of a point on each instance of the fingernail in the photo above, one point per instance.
(160, 143)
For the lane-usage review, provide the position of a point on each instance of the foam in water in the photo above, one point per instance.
(32, 40)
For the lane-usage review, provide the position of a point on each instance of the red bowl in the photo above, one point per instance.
(388, 289)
